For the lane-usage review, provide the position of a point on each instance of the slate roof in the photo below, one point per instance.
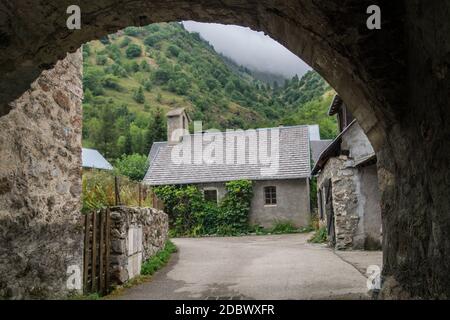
(93, 159)
(317, 146)
(294, 159)
(176, 112)
(335, 105)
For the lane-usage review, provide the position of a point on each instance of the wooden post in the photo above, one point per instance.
(107, 249)
(117, 190)
(140, 195)
(102, 252)
(86, 252)
(94, 253)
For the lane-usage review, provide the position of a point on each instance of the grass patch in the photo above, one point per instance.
(159, 260)
(320, 236)
(281, 227)
(91, 296)
(284, 227)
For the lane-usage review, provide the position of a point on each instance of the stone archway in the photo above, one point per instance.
(394, 80)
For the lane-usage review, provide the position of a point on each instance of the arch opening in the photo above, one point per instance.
(386, 82)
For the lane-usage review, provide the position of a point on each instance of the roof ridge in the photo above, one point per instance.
(244, 130)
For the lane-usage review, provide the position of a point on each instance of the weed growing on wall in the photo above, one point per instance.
(320, 236)
(190, 215)
(159, 260)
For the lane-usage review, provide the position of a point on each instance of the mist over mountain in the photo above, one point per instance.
(255, 50)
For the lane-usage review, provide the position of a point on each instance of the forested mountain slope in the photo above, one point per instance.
(132, 78)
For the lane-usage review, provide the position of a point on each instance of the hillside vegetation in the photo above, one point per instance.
(132, 78)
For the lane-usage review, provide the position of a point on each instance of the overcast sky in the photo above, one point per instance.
(250, 48)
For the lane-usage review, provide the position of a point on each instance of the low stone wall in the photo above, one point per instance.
(136, 235)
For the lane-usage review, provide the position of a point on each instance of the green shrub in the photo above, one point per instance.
(138, 95)
(132, 31)
(320, 236)
(125, 42)
(152, 40)
(101, 60)
(133, 166)
(133, 51)
(282, 227)
(173, 50)
(235, 206)
(112, 82)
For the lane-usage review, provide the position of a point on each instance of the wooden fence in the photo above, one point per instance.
(96, 273)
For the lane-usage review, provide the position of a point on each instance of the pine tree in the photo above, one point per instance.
(156, 129)
(128, 143)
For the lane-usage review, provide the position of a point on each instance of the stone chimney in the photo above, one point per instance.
(177, 125)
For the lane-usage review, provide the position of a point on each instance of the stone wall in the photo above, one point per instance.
(342, 173)
(41, 234)
(136, 235)
(357, 212)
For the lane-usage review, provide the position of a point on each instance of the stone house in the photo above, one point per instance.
(347, 185)
(280, 179)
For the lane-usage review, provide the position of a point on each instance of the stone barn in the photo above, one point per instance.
(347, 186)
(280, 180)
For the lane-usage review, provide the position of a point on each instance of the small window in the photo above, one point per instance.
(210, 195)
(270, 195)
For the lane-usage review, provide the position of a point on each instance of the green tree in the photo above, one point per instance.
(138, 95)
(144, 66)
(134, 166)
(133, 51)
(101, 60)
(156, 130)
(125, 42)
(173, 50)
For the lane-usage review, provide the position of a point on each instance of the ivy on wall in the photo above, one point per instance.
(190, 215)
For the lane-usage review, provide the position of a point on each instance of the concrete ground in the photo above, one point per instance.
(258, 267)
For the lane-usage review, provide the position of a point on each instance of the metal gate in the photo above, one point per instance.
(97, 228)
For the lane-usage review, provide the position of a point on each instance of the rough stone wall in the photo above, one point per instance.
(414, 164)
(40, 185)
(342, 173)
(357, 214)
(136, 235)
